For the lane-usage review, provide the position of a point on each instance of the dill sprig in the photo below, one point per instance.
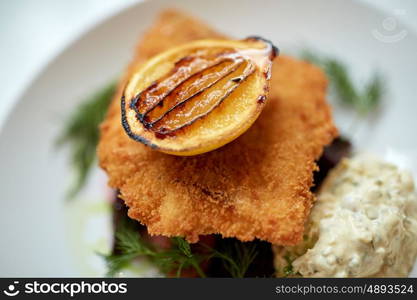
(130, 245)
(81, 134)
(236, 256)
(365, 99)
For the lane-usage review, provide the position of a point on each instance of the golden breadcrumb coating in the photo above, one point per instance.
(257, 186)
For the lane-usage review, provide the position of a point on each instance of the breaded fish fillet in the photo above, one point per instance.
(257, 186)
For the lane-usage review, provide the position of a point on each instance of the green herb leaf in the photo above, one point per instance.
(183, 246)
(288, 269)
(363, 100)
(372, 94)
(81, 134)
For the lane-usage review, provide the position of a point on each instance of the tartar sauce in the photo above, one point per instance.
(364, 224)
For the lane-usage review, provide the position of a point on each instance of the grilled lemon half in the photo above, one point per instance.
(199, 96)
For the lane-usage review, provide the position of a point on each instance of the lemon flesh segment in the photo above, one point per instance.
(199, 96)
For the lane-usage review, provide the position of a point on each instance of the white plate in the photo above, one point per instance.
(42, 235)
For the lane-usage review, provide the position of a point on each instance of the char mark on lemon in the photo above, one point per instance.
(171, 104)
